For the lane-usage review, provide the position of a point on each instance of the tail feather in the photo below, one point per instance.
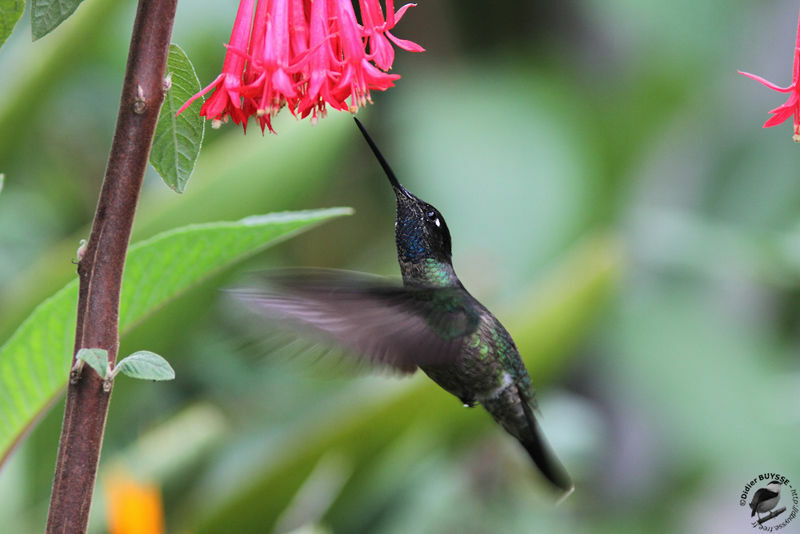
(545, 459)
(521, 423)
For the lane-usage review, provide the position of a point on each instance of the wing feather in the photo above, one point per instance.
(379, 321)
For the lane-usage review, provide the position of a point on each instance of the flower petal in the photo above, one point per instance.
(779, 116)
(409, 46)
(768, 83)
(381, 50)
(392, 16)
(200, 93)
(788, 104)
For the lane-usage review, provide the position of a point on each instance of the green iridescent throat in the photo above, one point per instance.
(437, 273)
(429, 272)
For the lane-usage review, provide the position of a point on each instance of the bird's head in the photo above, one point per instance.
(774, 486)
(420, 231)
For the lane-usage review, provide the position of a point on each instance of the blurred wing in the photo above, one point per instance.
(380, 322)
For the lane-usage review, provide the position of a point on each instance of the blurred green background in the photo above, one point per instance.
(611, 195)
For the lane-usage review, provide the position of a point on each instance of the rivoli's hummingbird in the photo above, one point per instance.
(431, 322)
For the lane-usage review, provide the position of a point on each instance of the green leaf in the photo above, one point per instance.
(177, 140)
(10, 12)
(97, 359)
(35, 361)
(145, 365)
(46, 15)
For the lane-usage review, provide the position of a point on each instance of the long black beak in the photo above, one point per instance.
(398, 189)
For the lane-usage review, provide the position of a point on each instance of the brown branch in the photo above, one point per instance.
(100, 268)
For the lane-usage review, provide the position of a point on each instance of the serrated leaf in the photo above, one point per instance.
(177, 141)
(35, 361)
(145, 365)
(10, 12)
(97, 359)
(46, 15)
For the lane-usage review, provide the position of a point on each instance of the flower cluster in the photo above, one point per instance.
(305, 55)
(792, 106)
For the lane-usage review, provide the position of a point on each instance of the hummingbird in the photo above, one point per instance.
(430, 322)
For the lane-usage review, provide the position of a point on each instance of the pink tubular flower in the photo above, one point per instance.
(792, 106)
(321, 72)
(374, 26)
(269, 60)
(304, 55)
(358, 74)
(226, 102)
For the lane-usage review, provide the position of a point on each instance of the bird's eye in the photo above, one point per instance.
(432, 217)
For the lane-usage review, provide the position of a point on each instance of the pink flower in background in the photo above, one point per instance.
(792, 106)
(304, 55)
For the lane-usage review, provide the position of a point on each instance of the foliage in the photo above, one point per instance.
(10, 13)
(46, 15)
(34, 362)
(178, 139)
(145, 365)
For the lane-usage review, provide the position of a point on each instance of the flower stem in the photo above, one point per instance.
(100, 268)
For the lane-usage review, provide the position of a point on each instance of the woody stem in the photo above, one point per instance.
(100, 268)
